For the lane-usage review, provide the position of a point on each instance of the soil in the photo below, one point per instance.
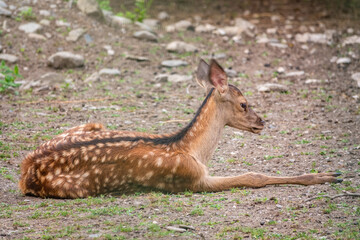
(310, 128)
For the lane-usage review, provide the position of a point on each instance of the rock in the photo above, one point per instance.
(173, 63)
(231, 73)
(216, 56)
(243, 24)
(5, 12)
(144, 27)
(275, 18)
(312, 81)
(3, 4)
(95, 235)
(109, 71)
(152, 23)
(180, 47)
(350, 31)
(45, 22)
(117, 21)
(262, 38)
(295, 74)
(145, 35)
(343, 61)
(326, 38)
(280, 70)
(8, 58)
(278, 45)
(62, 23)
(179, 26)
(65, 60)
(351, 40)
(176, 78)
(75, 34)
(230, 30)
(45, 13)
(163, 15)
(176, 229)
(24, 9)
(356, 77)
(187, 227)
(45, 82)
(272, 87)
(36, 36)
(88, 38)
(271, 31)
(95, 77)
(109, 50)
(30, 27)
(137, 58)
(205, 28)
(90, 8)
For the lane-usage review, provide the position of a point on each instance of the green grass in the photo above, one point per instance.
(10, 76)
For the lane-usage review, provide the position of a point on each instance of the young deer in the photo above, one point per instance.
(89, 160)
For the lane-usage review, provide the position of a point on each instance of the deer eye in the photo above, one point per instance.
(243, 105)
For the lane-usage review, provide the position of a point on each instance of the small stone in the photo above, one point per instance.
(161, 78)
(90, 8)
(8, 58)
(278, 45)
(62, 23)
(95, 235)
(95, 77)
(216, 56)
(275, 18)
(312, 81)
(262, 38)
(173, 63)
(343, 61)
(272, 87)
(163, 15)
(3, 4)
(117, 21)
(45, 13)
(45, 22)
(109, 50)
(205, 28)
(280, 70)
(179, 26)
(180, 47)
(279, 206)
(325, 38)
(238, 39)
(75, 34)
(36, 36)
(65, 60)
(186, 227)
(5, 12)
(109, 71)
(88, 38)
(295, 74)
(271, 31)
(45, 82)
(176, 78)
(30, 27)
(176, 229)
(152, 23)
(145, 35)
(144, 27)
(350, 30)
(231, 73)
(356, 77)
(137, 58)
(351, 40)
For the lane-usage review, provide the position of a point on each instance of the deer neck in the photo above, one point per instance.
(202, 135)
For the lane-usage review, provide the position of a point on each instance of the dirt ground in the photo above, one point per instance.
(310, 128)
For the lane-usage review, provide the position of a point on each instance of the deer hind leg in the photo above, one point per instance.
(260, 180)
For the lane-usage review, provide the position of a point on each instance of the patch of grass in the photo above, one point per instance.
(10, 76)
(104, 4)
(139, 13)
(269, 157)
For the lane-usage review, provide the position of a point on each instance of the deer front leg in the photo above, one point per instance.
(260, 180)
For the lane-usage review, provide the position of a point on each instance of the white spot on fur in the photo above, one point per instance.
(159, 162)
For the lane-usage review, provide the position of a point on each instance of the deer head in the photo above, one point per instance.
(234, 106)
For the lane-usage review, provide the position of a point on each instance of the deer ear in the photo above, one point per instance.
(218, 77)
(202, 75)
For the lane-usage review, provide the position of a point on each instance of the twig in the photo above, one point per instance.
(346, 194)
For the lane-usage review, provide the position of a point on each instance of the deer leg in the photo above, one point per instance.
(260, 180)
